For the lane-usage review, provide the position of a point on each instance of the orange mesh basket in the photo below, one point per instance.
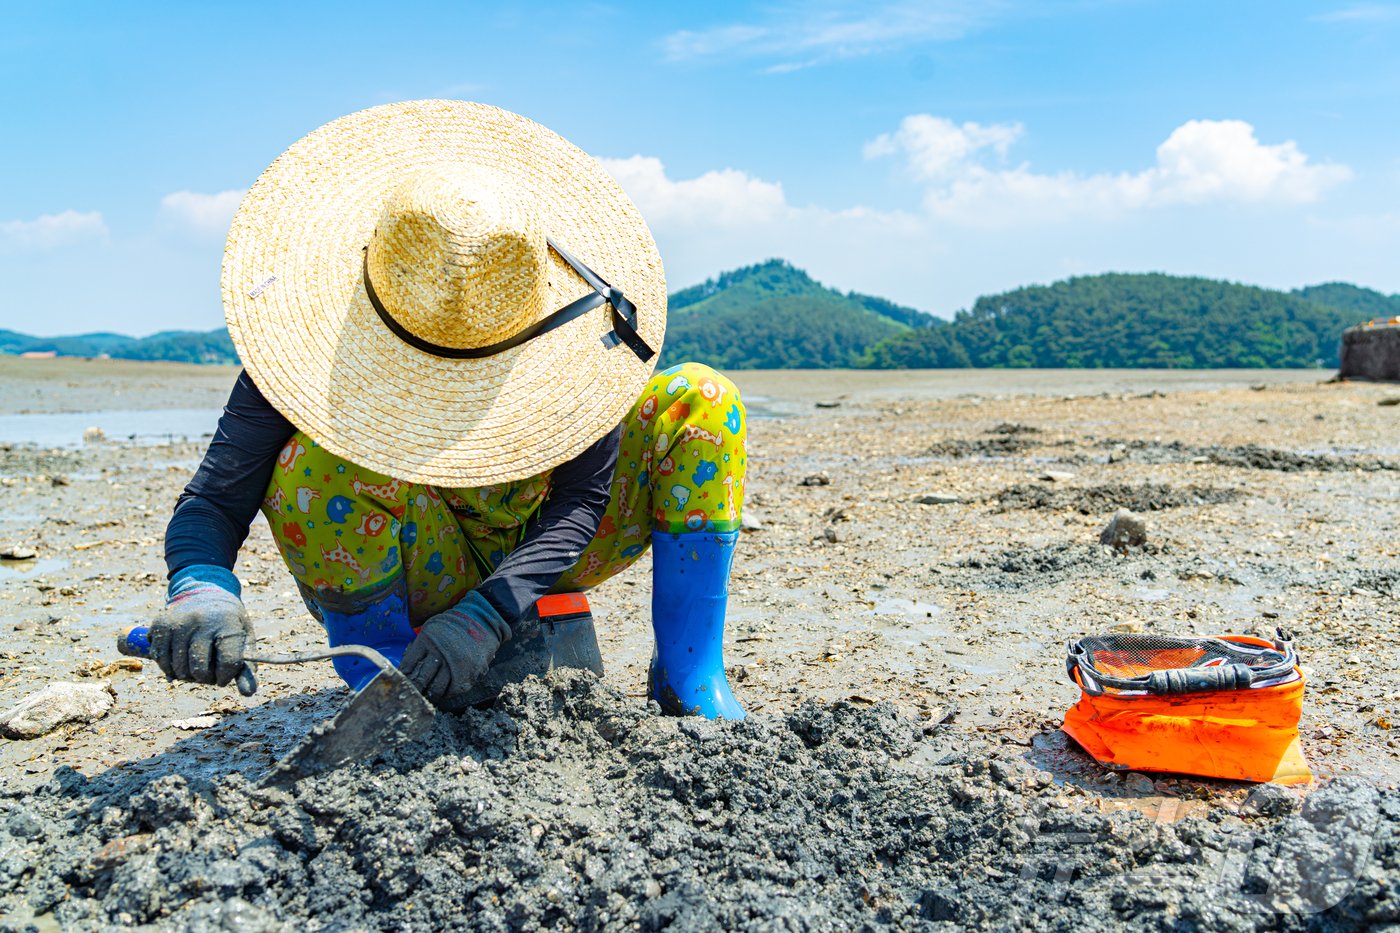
(1223, 707)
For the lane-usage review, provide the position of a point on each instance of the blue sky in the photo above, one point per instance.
(927, 152)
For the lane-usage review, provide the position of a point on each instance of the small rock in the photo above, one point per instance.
(57, 704)
(18, 552)
(832, 535)
(1126, 627)
(58, 479)
(828, 405)
(1389, 401)
(816, 479)
(1139, 784)
(1270, 800)
(94, 435)
(1124, 530)
(1056, 476)
(937, 498)
(195, 722)
(750, 522)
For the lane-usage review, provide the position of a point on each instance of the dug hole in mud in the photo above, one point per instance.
(569, 806)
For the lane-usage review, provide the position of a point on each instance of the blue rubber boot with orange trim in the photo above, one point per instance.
(690, 588)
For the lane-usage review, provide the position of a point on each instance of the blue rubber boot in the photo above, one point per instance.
(377, 619)
(690, 586)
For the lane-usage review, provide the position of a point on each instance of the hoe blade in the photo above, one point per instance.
(387, 711)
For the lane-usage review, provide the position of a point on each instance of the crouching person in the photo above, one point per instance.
(449, 411)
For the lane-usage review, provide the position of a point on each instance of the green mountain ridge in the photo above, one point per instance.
(1140, 320)
(181, 346)
(774, 315)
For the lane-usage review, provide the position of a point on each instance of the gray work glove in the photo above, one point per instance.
(203, 632)
(453, 650)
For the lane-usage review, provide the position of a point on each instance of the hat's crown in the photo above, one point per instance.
(458, 257)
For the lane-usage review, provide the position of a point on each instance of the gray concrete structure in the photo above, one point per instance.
(1371, 351)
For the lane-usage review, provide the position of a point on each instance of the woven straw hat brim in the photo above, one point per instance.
(304, 328)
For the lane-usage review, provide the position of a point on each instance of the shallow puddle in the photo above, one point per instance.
(19, 569)
(147, 426)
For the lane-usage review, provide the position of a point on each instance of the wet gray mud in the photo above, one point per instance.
(568, 806)
(1242, 456)
(1091, 500)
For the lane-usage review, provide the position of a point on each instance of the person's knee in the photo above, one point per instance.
(702, 396)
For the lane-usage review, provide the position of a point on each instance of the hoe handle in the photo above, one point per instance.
(135, 642)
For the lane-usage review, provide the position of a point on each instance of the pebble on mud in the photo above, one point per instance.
(1125, 530)
(1139, 784)
(1056, 476)
(56, 705)
(937, 498)
(18, 552)
(816, 479)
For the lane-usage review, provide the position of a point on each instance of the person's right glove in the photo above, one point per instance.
(453, 649)
(203, 632)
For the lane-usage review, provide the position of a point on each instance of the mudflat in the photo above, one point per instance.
(924, 546)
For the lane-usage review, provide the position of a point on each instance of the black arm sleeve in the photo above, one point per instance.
(212, 515)
(559, 532)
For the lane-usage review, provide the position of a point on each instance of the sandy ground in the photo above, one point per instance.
(1271, 499)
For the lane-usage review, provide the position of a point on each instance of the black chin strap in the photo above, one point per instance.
(624, 318)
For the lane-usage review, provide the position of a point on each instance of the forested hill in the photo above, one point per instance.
(774, 316)
(1139, 320)
(1366, 302)
(180, 346)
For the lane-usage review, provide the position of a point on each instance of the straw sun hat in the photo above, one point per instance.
(445, 292)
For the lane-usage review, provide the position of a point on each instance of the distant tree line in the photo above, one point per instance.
(775, 316)
(1122, 320)
(172, 346)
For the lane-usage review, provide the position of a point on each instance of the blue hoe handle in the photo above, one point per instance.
(135, 642)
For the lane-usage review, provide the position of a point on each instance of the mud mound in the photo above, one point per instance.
(568, 807)
(1004, 445)
(1091, 500)
(1243, 456)
(1029, 568)
(1383, 581)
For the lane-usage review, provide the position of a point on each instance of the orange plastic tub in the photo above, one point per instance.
(1246, 734)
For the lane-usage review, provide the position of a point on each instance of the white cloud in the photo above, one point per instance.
(207, 213)
(1202, 161)
(812, 33)
(723, 198)
(728, 218)
(50, 230)
(1362, 13)
(937, 147)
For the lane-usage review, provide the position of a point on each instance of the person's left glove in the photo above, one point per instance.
(203, 632)
(453, 650)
